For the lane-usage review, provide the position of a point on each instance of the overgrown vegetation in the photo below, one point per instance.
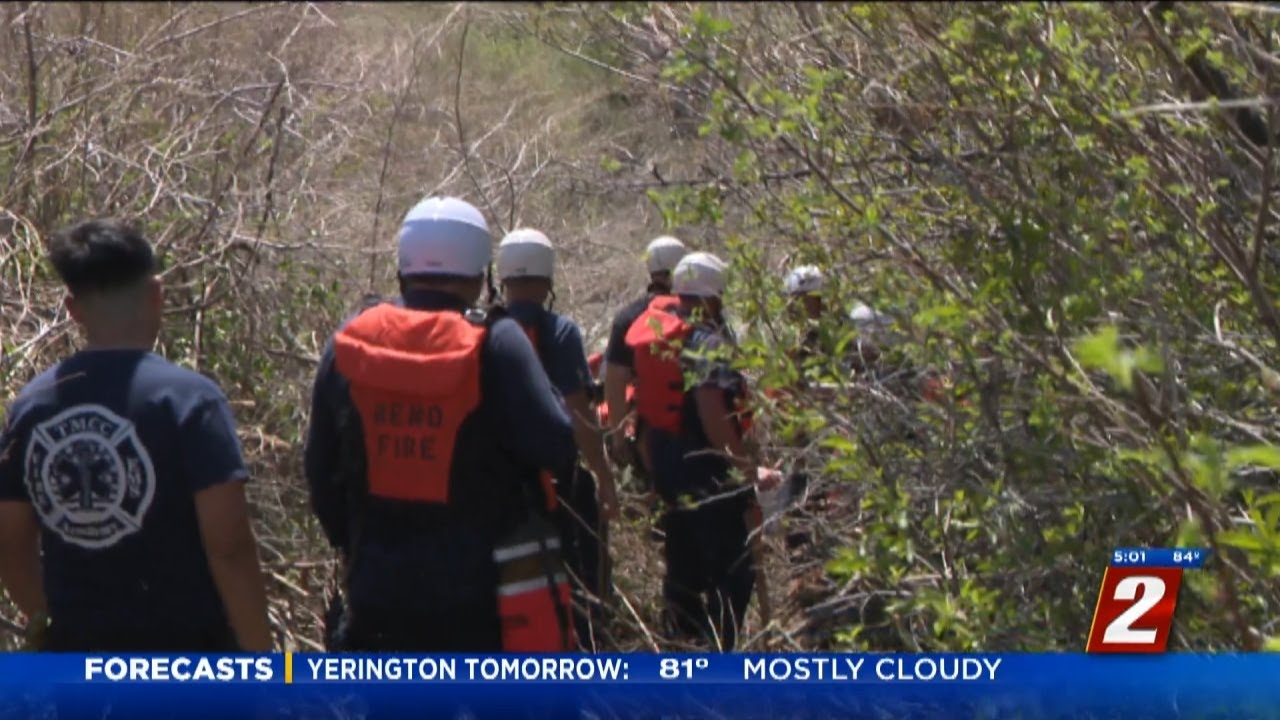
(1061, 230)
(1067, 208)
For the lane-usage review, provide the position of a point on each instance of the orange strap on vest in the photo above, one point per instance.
(656, 338)
(415, 377)
(547, 480)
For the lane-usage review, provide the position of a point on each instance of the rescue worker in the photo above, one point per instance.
(661, 257)
(696, 439)
(876, 335)
(430, 424)
(526, 269)
(804, 287)
(123, 520)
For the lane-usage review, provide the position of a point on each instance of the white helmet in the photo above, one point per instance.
(699, 275)
(445, 236)
(663, 254)
(804, 280)
(864, 316)
(525, 253)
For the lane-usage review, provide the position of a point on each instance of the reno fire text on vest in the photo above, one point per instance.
(407, 430)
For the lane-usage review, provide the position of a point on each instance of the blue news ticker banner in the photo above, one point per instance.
(738, 686)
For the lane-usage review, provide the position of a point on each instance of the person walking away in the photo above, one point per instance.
(430, 424)
(123, 520)
(696, 440)
(661, 257)
(587, 497)
(804, 286)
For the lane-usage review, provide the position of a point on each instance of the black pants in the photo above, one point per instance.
(110, 639)
(471, 629)
(586, 556)
(710, 573)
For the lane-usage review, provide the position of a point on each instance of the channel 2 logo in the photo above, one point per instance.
(1139, 593)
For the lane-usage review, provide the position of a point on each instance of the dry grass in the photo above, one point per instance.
(270, 150)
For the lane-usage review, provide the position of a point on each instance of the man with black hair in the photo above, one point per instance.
(126, 471)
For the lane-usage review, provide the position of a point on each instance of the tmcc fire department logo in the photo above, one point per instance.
(91, 479)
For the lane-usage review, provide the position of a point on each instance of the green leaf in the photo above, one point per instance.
(1138, 167)
(1242, 539)
(1148, 361)
(1102, 351)
(1267, 456)
(1189, 534)
(1099, 350)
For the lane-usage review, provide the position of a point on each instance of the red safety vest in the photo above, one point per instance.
(657, 338)
(415, 378)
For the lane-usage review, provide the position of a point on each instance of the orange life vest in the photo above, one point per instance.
(415, 378)
(657, 338)
(548, 480)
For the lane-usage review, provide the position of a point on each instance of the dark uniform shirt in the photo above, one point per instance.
(560, 346)
(426, 559)
(681, 466)
(110, 447)
(560, 350)
(617, 352)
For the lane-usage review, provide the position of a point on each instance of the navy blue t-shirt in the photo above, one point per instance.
(616, 351)
(111, 447)
(560, 347)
